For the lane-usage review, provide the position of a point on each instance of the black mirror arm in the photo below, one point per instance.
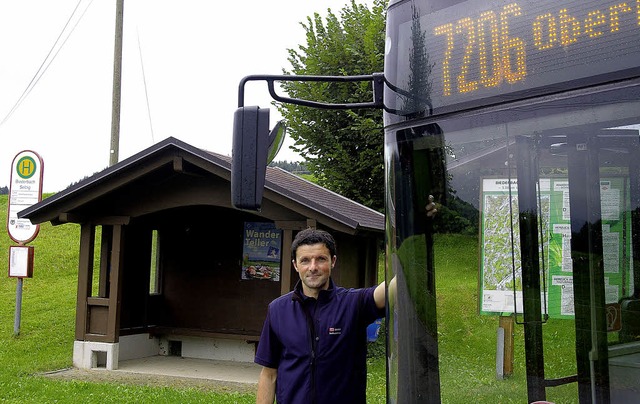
(377, 80)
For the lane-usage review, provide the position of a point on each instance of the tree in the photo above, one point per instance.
(343, 149)
(4, 190)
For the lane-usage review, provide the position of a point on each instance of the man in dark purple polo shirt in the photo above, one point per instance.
(313, 344)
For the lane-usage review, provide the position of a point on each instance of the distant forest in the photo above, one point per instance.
(4, 190)
(294, 167)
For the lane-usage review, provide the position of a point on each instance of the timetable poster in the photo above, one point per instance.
(262, 243)
(616, 245)
(500, 260)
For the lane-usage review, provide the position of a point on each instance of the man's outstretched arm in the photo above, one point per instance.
(379, 294)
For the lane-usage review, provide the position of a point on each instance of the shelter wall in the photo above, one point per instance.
(201, 288)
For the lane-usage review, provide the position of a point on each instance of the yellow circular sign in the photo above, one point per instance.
(26, 167)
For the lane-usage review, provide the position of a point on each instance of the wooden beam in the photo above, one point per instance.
(85, 275)
(291, 224)
(371, 263)
(115, 292)
(159, 330)
(98, 301)
(286, 272)
(97, 338)
(178, 164)
(507, 324)
(66, 217)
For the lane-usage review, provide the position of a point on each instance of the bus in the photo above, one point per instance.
(528, 112)
(520, 119)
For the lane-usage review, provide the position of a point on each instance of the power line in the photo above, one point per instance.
(47, 60)
(146, 93)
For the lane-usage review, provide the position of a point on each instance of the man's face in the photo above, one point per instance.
(314, 263)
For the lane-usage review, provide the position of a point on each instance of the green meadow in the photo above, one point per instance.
(466, 340)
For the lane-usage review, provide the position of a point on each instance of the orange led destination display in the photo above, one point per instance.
(480, 49)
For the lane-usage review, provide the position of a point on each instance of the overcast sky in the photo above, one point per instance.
(194, 53)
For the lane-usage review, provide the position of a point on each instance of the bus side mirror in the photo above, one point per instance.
(253, 149)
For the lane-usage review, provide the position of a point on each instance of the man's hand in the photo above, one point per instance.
(431, 208)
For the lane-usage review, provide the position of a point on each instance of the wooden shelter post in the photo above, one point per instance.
(85, 276)
(115, 293)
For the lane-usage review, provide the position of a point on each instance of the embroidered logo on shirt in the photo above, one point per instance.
(335, 331)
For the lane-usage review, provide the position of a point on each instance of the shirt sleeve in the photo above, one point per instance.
(269, 346)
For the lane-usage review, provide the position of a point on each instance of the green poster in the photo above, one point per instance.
(616, 244)
(500, 276)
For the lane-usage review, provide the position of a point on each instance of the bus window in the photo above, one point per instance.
(522, 120)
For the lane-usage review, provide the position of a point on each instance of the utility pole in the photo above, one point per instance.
(117, 84)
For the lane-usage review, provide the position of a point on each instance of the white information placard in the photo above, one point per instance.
(20, 261)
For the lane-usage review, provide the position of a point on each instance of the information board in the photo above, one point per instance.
(500, 275)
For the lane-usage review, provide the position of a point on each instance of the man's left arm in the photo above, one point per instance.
(379, 295)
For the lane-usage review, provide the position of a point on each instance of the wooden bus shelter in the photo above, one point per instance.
(161, 254)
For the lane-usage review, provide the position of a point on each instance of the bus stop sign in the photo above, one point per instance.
(25, 190)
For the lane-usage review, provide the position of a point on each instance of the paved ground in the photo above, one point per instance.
(173, 371)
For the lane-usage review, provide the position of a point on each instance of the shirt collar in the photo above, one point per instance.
(322, 297)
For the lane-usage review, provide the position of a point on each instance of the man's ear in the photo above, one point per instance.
(294, 265)
(333, 261)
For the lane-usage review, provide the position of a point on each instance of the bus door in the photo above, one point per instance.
(598, 176)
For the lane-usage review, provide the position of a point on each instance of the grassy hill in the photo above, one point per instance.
(467, 340)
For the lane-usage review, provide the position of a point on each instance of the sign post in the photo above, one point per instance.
(25, 190)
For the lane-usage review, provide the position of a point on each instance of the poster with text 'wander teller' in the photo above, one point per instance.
(262, 244)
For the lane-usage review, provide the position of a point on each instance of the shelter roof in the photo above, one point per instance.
(172, 156)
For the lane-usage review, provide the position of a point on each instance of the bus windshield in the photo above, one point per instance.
(521, 119)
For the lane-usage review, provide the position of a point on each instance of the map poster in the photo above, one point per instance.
(500, 276)
(262, 243)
